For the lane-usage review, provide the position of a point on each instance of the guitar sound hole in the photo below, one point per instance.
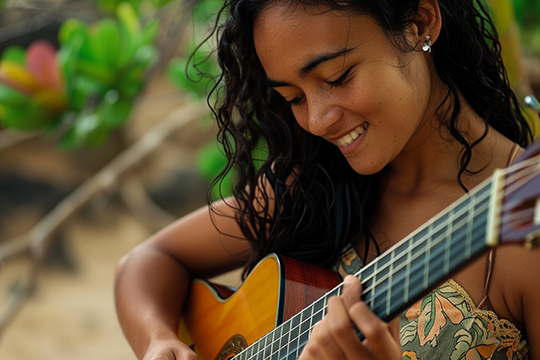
(234, 346)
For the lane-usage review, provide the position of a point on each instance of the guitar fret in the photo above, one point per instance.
(276, 341)
(389, 288)
(394, 278)
(318, 310)
(284, 339)
(376, 263)
(448, 236)
(408, 273)
(468, 243)
(428, 251)
(304, 328)
(260, 351)
(437, 259)
(248, 353)
(256, 350)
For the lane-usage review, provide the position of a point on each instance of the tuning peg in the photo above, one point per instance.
(532, 241)
(531, 102)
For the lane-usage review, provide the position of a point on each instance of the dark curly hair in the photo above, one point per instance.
(320, 204)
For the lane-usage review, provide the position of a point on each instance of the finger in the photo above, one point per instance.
(322, 343)
(378, 334)
(311, 351)
(394, 328)
(343, 332)
(352, 289)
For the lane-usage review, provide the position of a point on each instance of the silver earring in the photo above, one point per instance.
(426, 45)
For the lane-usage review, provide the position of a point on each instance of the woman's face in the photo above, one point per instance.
(346, 82)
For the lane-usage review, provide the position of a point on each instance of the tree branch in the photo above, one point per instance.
(38, 239)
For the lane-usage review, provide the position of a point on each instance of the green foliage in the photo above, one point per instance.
(87, 88)
(104, 65)
(528, 17)
(195, 74)
(211, 161)
(140, 6)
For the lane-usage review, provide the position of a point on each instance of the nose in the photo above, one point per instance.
(320, 114)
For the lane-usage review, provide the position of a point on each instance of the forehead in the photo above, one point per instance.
(288, 36)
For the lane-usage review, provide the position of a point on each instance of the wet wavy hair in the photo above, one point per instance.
(320, 205)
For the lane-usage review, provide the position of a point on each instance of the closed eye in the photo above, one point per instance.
(297, 100)
(341, 80)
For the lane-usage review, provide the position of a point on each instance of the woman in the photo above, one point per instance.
(377, 115)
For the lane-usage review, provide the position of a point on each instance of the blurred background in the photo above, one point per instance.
(106, 137)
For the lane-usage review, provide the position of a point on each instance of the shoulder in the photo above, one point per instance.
(514, 292)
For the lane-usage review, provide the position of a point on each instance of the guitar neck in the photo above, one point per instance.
(432, 253)
(404, 273)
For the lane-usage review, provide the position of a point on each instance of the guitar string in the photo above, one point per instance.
(461, 212)
(437, 260)
(402, 276)
(399, 279)
(438, 240)
(524, 176)
(514, 168)
(519, 217)
(513, 181)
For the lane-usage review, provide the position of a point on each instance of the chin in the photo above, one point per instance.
(364, 169)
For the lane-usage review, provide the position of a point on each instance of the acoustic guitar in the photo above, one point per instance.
(271, 315)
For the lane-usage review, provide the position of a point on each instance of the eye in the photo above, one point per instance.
(341, 80)
(297, 100)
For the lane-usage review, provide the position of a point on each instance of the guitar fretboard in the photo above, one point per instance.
(399, 276)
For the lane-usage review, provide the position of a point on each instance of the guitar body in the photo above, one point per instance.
(272, 313)
(218, 324)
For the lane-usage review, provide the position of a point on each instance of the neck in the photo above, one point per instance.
(432, 157)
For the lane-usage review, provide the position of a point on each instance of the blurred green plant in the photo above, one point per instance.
(87, 88)
(195, 72)
(506, 14)
(31, 87)
(528, 17)
(140, 6)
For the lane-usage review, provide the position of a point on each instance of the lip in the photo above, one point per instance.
(352, 146)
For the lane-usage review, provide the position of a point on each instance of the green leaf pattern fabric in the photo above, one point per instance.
(446, 324)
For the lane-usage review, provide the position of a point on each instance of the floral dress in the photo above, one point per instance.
(446, 324)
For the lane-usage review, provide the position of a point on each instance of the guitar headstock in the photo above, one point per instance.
(521, 199)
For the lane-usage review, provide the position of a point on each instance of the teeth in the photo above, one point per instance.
(350, 137)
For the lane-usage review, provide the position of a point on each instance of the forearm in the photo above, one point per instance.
(150, 288)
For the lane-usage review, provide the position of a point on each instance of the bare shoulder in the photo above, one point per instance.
(515, 289)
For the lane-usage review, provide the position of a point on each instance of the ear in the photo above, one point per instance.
(427, 21)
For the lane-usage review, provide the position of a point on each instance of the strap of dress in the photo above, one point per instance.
(491, 256)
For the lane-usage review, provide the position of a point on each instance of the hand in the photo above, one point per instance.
(334, 337)
(169, 350)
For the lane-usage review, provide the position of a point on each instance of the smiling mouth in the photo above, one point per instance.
(353, 135)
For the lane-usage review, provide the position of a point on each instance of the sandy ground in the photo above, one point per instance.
(71, 313)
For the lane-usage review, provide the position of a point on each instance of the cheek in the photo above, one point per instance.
(392, 94)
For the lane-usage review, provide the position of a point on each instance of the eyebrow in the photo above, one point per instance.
(310, 66)
(320, 59)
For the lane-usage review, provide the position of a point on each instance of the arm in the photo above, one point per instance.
(153, 279)
(334, 337)
(516, 290)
